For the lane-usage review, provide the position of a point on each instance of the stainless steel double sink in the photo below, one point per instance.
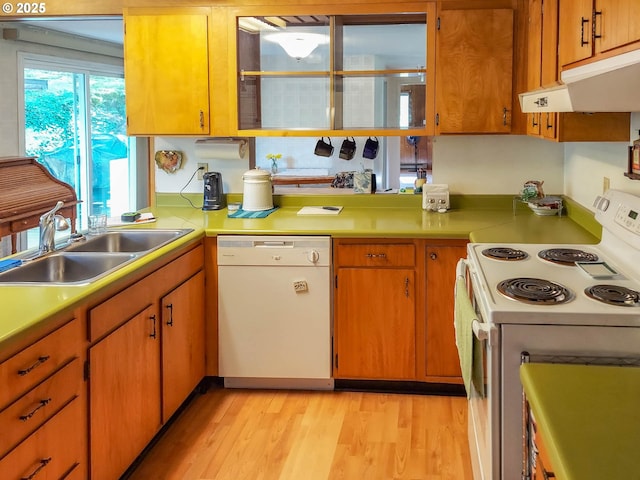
(87, 260)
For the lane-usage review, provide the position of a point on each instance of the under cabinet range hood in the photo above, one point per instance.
(609, 85)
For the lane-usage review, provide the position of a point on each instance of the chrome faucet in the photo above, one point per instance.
(50, 222)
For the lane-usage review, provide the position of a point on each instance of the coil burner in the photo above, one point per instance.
(567, 256)
(535, 291)
(505, 253)
(614, 295)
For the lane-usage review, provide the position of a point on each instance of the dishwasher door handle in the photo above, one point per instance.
(272, 243)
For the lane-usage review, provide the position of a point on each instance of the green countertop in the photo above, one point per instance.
(589, 418)
(478, 218)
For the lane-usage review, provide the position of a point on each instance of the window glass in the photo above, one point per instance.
(75, 125)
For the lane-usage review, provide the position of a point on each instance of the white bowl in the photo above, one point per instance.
(543, 210)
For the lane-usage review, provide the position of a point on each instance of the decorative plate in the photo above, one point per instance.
(168, 160)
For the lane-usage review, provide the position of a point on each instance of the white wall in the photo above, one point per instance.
(496, 164)
(586, 165)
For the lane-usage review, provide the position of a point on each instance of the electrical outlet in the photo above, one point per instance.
(605, 184)
(201, 173)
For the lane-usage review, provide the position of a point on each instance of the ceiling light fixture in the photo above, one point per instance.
(298, 45)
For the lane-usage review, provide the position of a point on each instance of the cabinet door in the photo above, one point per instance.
(474, 63)
(166, 63)
(575, 34)
(182, 343)
(375, 323)
(442, 354)
(617, 24)
(124, 394)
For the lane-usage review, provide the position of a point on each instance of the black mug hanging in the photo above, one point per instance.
(348, 149)
(323, 149)
(371, 148)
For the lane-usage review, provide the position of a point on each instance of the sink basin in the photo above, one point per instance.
(127, 241)
(66, 268)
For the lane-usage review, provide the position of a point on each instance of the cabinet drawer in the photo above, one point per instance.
(52, 451)
(376, 255)
(28, 368)
(27, 413)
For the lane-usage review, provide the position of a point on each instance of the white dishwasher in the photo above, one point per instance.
(274, 311)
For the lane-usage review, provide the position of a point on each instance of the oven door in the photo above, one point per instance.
(483, 413)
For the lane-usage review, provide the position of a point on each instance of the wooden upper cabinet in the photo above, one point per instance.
(474, 65)
(166, 65)
(589, 28)
(575, 42)
(617, 23)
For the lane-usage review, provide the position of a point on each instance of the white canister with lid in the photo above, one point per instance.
(258, 190)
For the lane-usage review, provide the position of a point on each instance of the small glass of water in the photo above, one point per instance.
(97, 224)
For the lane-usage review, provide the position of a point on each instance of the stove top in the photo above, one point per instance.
(562, 283)
(535, 290)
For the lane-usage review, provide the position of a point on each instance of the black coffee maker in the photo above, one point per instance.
(213, 196)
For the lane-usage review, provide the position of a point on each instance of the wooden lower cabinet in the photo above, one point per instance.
(53, 451)
(146, 357)
(441, 355)
(393, 309)
(183, 354)
(42, 407)
(375, 309)
(124, 394)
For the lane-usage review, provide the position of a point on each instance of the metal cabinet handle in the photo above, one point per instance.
(201, 119)
(170, 308)
(547, 475)
(42, 403)
(38, 362)
(43, 463)
(549, 125)
(406, 287)
(533, 120)
(583, 42)
(505, 111)
(433, 256)
(597, 14)
(153, 322)
(376, 255)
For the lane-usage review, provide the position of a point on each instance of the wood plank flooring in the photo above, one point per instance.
(229, 434)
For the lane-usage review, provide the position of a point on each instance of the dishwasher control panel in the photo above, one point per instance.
(274, 250)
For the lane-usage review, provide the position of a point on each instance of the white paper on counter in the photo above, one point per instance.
(319, 210)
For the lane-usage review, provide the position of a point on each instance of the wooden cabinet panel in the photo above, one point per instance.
(167, 72)
(26, 414)
(575, 42)
(54, 450)
(376, 255)
(375, 323)
(182, 343)
(441, 351)
(32, 365)
(124, 399)
(617, 24)
(474, 81)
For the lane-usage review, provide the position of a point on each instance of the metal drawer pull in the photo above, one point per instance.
(170, 321)
(42, 403)
(39, 362)
(597, 14)
(376, 255)
(43, 463)
(153, 321)
(406, 287)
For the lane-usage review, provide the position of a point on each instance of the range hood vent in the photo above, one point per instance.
(609, 85)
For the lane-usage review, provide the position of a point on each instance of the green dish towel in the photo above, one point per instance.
(245, 214)
(470, 349)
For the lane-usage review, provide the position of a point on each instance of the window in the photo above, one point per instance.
(75, 123)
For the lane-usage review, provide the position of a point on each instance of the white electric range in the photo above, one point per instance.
(551, 303)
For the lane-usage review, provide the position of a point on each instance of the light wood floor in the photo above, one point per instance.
(292, 435)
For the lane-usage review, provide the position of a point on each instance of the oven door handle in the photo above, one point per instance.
(485, 331)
